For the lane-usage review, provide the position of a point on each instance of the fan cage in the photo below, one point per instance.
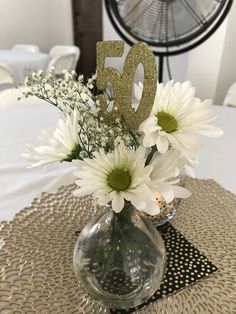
(169, 46)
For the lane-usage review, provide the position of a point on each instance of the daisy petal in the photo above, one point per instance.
(118, 203)
(162, 144)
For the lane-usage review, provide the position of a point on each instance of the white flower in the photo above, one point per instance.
(115, 177)
(122, 175)
(164, 176)
(175, 116)
(59, 144)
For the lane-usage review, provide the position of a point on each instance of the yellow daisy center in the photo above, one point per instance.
(119, 179)
(167, 122)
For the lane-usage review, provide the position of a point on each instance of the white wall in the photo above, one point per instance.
(41, 22)
(204, 63)
(227, 72)
(211, 66)
(178, 67)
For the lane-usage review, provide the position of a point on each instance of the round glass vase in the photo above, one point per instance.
(167, 211)
(120, 258)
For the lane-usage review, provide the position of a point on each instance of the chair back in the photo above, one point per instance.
(29, 48)
(60, 50)
(230, 98)
(6, 76)
(61, 63)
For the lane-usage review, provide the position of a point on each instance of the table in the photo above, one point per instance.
(37, 246)
(21, 125)
(23, 62)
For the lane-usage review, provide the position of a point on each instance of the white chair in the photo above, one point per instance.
(6, 77)
(230, 98)
(61, 63)
(61, 50)
(29, 48)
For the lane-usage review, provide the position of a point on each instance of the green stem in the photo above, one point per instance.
(149, 158)
(125, 216)
(134, 138)
(119, 224)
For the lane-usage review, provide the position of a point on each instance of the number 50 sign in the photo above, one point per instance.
(122, 84)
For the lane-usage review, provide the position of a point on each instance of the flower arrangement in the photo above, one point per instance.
(126, 158)
(117, 164)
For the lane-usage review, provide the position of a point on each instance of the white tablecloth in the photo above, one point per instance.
(21, 125)
(23, 62)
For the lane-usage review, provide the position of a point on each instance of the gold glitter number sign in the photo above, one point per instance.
(123, 84)
(108, 49)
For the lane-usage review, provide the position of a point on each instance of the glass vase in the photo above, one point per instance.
(120, 258)
(167, 210)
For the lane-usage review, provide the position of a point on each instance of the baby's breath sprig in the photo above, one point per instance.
(72, 92)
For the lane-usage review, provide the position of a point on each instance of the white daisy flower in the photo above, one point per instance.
(165, 176)
(58, 144)
(122, 176)
(115, 177)
(175, 116)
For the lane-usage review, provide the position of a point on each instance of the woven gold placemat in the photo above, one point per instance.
(36, 251)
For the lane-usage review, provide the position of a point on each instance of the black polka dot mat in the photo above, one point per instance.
(185, 265)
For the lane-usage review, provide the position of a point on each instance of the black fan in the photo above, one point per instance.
(169, 26)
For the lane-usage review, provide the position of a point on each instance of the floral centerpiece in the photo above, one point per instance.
(153, 156)
(124, 169)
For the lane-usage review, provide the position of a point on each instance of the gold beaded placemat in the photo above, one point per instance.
(36, 273)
